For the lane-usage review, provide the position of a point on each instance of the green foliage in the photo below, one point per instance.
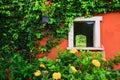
(17, 66)
(21, 27)
(70, 64)
(80, 40)
(47, 9)
(21, 23)
(84, 69)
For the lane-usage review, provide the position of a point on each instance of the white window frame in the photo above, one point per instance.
(96, 34)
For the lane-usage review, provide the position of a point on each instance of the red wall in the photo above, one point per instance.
(110, 36)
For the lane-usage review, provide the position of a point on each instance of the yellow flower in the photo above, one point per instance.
(103, 59)
(74, 51)
(37, 73)
(42, 65)
(74, 70)
(30, 50)
(96, 63)
(56, 75)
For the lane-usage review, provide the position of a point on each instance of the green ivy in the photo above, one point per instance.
(21, 23)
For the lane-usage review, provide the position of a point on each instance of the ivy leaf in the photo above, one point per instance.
(37, 6)
(38, 35)
(1, 1)
(15, 36)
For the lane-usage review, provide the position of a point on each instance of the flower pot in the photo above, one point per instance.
(45, 19)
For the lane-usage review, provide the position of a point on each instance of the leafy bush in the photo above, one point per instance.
(72, 65)
(21, 23)
(15, 67)
(21, 27)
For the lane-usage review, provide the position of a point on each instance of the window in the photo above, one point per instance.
(85, 34)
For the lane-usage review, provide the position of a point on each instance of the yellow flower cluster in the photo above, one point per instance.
(96, 63)
(74, 51)
(74, 70)
(56, 75)
(37, 73)
(42, 65)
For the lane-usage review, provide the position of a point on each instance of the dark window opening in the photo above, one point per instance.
(83, 33)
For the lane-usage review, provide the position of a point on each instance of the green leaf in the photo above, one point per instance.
(15, 36)
(38, 35)
(37, 6)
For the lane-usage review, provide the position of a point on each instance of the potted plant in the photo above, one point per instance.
(47, 9)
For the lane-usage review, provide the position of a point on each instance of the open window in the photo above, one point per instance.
(85, 34)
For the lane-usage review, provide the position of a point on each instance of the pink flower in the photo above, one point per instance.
(48, 3)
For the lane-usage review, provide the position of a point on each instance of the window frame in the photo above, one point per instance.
(96, 34)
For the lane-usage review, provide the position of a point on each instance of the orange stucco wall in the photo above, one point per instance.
(110, 36)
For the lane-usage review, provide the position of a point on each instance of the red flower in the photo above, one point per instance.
(11, 48)
(12, 69)
(7, 73)
(48, 3)
(30, 78)
(80, 66)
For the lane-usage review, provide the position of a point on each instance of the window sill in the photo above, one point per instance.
(86, 48)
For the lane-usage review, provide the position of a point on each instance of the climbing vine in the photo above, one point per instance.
(21, 24)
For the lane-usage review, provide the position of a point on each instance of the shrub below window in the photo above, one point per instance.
(73, 65)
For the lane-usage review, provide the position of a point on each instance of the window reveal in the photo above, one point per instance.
(83, 34)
